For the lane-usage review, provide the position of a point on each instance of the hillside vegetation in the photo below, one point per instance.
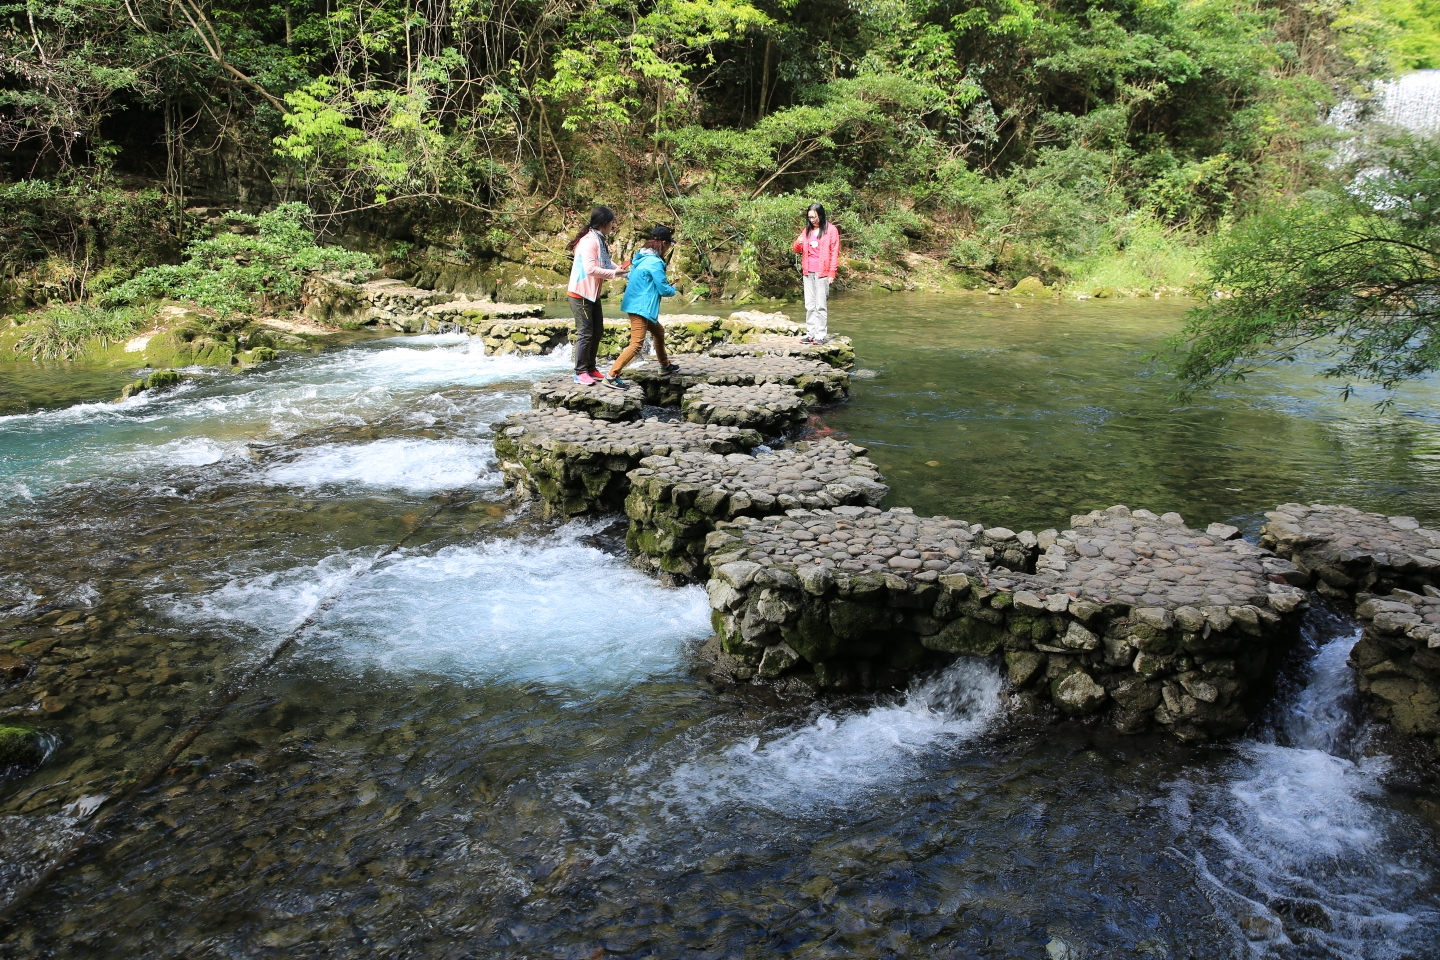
(1094, 143)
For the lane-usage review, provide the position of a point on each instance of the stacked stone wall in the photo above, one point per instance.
(675, 501)
(856, 596)
(1397, 660)
(571, 463)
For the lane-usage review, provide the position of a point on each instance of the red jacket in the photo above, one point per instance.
(818, 254)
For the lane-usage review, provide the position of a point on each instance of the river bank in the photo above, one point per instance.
(442, 758)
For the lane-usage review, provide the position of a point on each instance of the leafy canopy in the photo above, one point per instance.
(1352, 271)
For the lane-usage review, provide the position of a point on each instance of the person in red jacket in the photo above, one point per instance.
(819, 249)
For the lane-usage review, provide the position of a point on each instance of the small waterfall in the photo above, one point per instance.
(1411, 102)
(1294, 841)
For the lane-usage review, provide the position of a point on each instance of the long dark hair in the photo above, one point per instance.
(823, 222)
(599, 217)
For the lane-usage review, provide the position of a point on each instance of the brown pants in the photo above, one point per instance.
(639, 326)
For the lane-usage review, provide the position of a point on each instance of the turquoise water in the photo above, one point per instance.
(490, 736)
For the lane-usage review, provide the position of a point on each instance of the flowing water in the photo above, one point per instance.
(488, 736)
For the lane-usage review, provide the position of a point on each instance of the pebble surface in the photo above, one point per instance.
(1346, 550)
(771, 408)
(598, 400)
(837, 351)
(817, 381)
(675, 501)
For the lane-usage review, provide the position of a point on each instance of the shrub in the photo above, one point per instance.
(258, 265)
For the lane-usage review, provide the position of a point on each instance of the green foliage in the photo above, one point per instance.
(261, 267)
(66, 240)
(61, 332)
(1352, 271)
(1417, 31)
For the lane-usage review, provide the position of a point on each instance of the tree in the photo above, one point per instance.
(1352, 271)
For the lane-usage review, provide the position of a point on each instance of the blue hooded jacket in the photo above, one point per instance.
(646, 285)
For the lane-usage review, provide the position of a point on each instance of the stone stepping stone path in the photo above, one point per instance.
(597, 400)
(1397, 660)
(910, 590)
(572, 463)
(1345, 550)
(1141, 560)
(838, 351)
(771, 408)
(818, 382)
(675, 501)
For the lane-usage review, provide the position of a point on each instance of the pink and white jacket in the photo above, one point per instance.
(818, 254)
(592, 266)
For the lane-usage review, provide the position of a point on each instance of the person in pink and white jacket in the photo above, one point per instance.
(591, 268)
(819, 249)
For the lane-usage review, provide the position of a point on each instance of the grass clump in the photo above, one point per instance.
(256, 265)
(1138, 255)
(61, 333)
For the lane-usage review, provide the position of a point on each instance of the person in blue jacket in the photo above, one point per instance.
(647, 284)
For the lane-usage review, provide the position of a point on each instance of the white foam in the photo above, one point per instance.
(419, 466)
(1290, 822)
(554, 612)
(833, 760)
(202, 422)
(273, 603)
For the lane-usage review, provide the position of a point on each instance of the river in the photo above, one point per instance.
(486, 735)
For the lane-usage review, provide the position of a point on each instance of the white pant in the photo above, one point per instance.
(817, 311)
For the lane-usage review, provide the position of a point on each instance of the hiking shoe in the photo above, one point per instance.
(615, 382)
(670, 368)
(588, 379)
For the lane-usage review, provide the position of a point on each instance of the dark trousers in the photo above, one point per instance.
(589, 327)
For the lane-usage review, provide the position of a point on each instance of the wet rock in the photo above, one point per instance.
(1345, 551)
(159, 380)
(1077, 694)
(1397, 661)
(20, 746)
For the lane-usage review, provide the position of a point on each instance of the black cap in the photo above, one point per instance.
(663, 233)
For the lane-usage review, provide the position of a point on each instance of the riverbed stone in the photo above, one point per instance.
(1149, 605)
(675, 501)
(771, 408)
(1344, 551)
(573, 463)
(20, 746)
(1397, 660)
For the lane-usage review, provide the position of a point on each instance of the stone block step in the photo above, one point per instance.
(675, 501)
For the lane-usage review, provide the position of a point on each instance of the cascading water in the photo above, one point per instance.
(1410, 102)
(1298, 846)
